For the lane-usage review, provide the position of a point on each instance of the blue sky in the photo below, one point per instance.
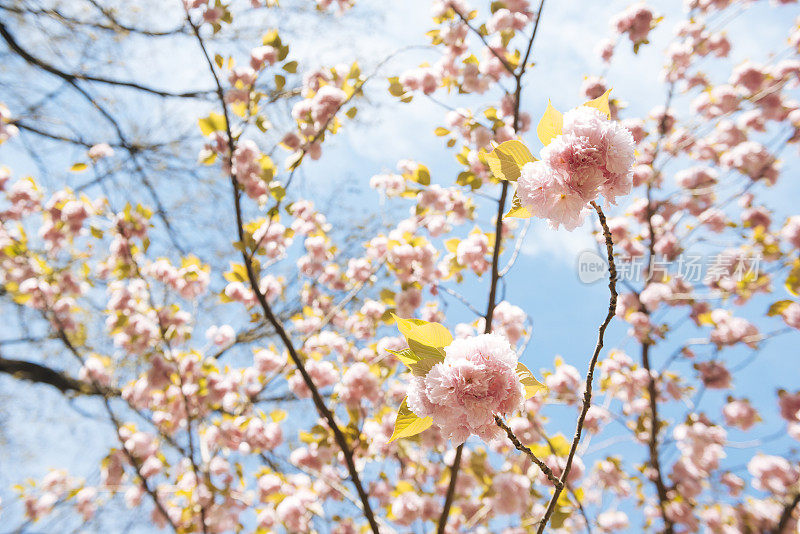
(565, 313)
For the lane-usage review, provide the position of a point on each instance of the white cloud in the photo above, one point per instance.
(559, 245)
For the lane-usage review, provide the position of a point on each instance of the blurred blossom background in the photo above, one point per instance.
(105, 98)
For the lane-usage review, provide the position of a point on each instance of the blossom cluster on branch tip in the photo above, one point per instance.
(586, 154)
(459, 385)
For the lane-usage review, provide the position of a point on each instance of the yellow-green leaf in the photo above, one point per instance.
(506, 160)
(408, 423)
(426, 357)
(78, 167)
(517, 150)
(601, 103)
(406, 356)
(518, 210)
(532, 386)
(452, 245)
(430, 334)
(421, 175)
(551, 124)
(793, 279)
(421, 360)
(778, 307)
(213, 123)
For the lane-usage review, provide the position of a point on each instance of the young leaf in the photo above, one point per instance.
(506, 160)
(406, 356)
(793, 279)
(427, 357)
(777, 307)
(419, 359)
(532, 386)
(551, 124)
(517, 150)
(213, 123)
(408, 424)
(601, 103)
(423, 332)
(518, 210)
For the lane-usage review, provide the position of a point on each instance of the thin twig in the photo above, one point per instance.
(520, 447)
(787, 514)
(319, 403)
(448, 501)
(587, 394)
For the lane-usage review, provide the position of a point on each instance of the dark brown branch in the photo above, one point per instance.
(40, 374)
(498, 237)
(319, 403)
(132, 147)
(451, 490)
(14, 45)
(655, 425)
(652, 442)
(114, 24)
(520, 447)
(587, 394)
(72, 80)
(787, 514)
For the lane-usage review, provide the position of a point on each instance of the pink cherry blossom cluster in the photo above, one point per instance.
(739, 413)
(443, 208)
(189, 281)
(248, 170)
(701, 445)
(508, 320)
(635, 22)
(473, 252)
(7, 129)
(55, 487)
(564, 384)
(729, 330)
(323, 373)
(212, 14)
(476, 380)
(359, 384)
(592, 156)
(324, 95)
(23, 196)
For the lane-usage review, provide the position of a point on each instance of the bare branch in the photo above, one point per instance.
(34, 372)
(319, 403)
(587, 394)
(520, 447)
(72, 77)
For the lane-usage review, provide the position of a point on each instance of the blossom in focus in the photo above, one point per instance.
(476, 380)
(585, 155)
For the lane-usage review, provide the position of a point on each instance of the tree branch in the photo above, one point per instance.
(34, 372)
(587, 394)
(14, 45)
(520, 447)
(498, 237)
(319, 403)
(787, 514)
